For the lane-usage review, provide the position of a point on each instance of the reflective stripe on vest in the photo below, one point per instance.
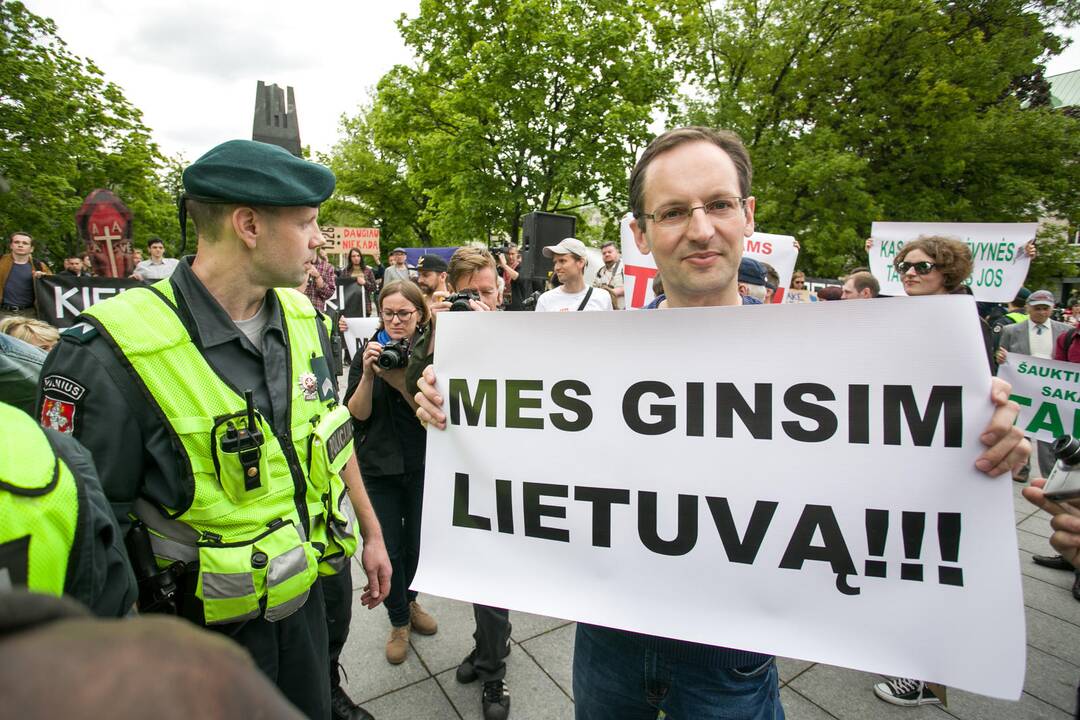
(244, 516)
(39, 507)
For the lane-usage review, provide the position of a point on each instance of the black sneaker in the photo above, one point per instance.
(466, 673)
(495, 700)
(343, 708)
(906, 692)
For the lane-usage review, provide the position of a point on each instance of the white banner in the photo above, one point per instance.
(835, 515)
(1048, 392)
(779, 251)
(358, 333)
(1001, 265)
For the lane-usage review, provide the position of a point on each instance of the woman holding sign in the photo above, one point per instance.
(358, 273)
(390, 445)
(930, 265)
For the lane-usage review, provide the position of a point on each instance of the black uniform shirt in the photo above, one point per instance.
(112, 417)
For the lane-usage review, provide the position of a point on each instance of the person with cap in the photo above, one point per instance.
(397, 269)
(207, 402)
(752, 280)
(572, 294)
(431, 277)
(58, 535)
(1036, 336)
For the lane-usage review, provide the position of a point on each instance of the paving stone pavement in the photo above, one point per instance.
(539, 665)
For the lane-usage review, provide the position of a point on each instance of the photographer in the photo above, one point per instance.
(518, 287)
(471, 277)
(390, 446)
(610, 277)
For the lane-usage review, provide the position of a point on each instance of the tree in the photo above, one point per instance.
(883, 110)
(372, 187)
(518, 105)
(65, 130)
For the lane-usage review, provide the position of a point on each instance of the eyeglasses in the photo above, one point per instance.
(921, 268)
(401, 315)
(679, 215)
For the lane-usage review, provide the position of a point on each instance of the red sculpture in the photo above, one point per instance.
(104, 224)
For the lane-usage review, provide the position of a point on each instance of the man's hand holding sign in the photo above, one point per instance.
(785, 512)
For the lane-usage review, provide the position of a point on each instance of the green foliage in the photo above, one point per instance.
(64, 131)
(883, 110)
(514, 105)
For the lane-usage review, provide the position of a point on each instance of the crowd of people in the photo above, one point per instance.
(227, 480)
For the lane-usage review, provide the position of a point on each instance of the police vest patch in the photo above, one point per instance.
(338, 440)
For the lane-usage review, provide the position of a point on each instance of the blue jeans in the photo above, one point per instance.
(616, 677)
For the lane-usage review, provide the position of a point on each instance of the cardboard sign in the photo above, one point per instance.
(779, 251)
(834, 514)
(61, 298)
(344, 239)
(1048, 392)
(1001, 265)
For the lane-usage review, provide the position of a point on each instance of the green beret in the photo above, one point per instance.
(245, 171)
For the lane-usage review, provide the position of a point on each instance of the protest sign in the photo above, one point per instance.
(779, 251)
(358, 333)
(1048, 392)
(835, 516)
(349, 299)
(343, 239)
(1001, 265)
(60, 298)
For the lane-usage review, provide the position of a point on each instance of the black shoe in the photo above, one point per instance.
(1076, 586)
(1052, 561)
(343, 708)
(495, 700)
(466, 673)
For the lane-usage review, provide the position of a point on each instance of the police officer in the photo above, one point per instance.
(209, 405)
(57, 533)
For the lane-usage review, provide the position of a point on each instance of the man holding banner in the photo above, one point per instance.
(620, 674)
(1036, 337)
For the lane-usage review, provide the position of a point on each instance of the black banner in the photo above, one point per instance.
(348, 299)
(61, 298)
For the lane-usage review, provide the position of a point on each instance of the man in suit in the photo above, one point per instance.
(1035, 336)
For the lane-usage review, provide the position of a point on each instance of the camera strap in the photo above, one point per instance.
(585, 301)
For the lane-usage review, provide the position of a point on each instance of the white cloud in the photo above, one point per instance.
(192, 67)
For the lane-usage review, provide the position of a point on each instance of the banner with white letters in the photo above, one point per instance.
(1001, 264)
(62, 298)
(779, 251)
(1048, 392)
(832, 514)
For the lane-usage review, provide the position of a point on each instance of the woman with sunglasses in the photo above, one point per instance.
(935, 265)
(390, 445)
(930, 265)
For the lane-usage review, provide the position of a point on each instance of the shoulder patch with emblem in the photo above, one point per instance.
(80, 332)
(60, 402)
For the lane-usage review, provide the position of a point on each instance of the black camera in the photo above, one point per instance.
(497, 251)
(460, 300)
(529, 303)
(394, 355)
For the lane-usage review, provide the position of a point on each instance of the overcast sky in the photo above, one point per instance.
(192, 66)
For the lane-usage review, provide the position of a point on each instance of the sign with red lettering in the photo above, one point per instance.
(778, 251)
(344, 239)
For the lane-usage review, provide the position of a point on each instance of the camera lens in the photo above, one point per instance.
(389, 359)
(1067, 450)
